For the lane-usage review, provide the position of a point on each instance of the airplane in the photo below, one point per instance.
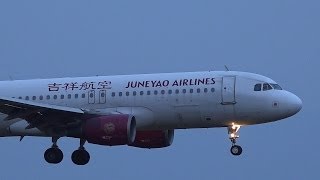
(140, 111)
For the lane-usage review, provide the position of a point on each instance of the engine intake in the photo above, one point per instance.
(110, 130)
(153, 139)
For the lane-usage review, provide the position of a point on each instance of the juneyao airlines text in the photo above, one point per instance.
(166, 83)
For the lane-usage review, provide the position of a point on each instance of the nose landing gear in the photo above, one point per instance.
(235, 150)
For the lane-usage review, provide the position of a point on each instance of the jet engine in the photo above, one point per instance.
(153, 139)
(110, 130)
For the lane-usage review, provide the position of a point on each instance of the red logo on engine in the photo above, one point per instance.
(109, 128)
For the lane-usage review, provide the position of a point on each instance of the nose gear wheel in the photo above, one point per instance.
(235, 150)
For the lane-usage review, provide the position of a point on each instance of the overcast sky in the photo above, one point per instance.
(276, 38)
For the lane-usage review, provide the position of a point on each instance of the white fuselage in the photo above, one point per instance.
(159, 101)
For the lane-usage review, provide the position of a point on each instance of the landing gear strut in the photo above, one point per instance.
(53, 155)
(81, 156)
(235, 150)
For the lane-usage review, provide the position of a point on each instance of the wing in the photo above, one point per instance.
(51, 119)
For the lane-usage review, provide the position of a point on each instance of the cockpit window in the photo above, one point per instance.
(257, 87)
(276, 86)
(266, 87)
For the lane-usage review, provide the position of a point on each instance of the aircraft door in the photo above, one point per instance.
(102, 96)
(91, 97)
(228, 90)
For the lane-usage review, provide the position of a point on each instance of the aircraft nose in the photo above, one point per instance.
(294, 104)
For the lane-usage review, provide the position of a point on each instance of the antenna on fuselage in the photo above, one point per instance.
(225, 66)
(21, 138)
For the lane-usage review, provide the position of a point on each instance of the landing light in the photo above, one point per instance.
(235, 127)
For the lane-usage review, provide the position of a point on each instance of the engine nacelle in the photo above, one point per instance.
(110, 130)
(153, 139)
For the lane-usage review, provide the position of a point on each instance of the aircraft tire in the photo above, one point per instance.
(236, 150)
(53, 155)
(80, 157)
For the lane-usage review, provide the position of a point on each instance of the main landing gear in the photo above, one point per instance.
(235, 150)
(81, 156)
(54, 155)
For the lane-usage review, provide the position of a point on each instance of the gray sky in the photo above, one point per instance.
(279, 39)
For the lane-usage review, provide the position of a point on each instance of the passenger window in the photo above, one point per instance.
(213, 89)
(76, 96)
(127, 93)
(266, 87)
(134, 93)
(198, 90)
(62, 97)
(177, 91)
(41, 97)
(69, 96)
(163, 91)
(205, 90)
(48, 97)
(113, 94)
(170, 91)
(55, 97)
(34, 98)
(83, 95)
(27, 98)
(184, 91)
(155, 92)
(191, 91)
(148, 92)
(257, 87)
(120, 93)
(141, 93)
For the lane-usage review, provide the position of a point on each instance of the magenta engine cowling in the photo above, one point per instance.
(110, 130)
(153, 139)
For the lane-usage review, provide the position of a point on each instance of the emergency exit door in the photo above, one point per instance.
(102, 96)
(91, 97)
(97, 97)
(228, 90)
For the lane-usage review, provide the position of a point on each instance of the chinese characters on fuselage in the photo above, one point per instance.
(167, 83)
(79, 86)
